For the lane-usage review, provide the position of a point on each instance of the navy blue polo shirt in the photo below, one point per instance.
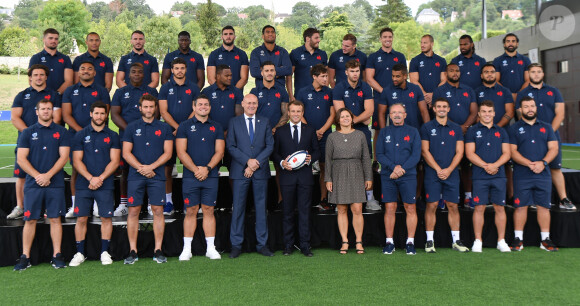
(338, 61)
(399, 145)
(303, 61)
(470, 69)
(546, 99)
(56, 64)
(460, 100)
(532, 142)
(223, 103)
(429, 69)
(28, 98)
(81, 98)
(128, 99)
(410, 96)
(353, 98)
(270, 101)
(96, 147)
(317, 105)
(193, 59)
(499, 95)
(235, 59)
(149, 62)
(279, 56)
(442, 140)
(201, 138)
(383, 63)
(488, 142)
(44, 143)
(512, 70)
(102, 63)
(179, 98)
(148, 140)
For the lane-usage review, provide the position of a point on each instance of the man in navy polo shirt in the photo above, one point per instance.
(319, 113)
(427, 69)
(399, 152)
(512, 67)
(103, 64)
(96, 154)
(76, 106)
(200, 146)
(533, 146)
(339, 58)
(138, 55)
(147, 146)
(442, 149)
(469, 63)
(487, 147)
(304, 58)
(195, 65)
(60, 66)
(124, 110)
(43, 150)
(23, 115)
(550, 105)
(229, 55)
(175, 105)
(270, 52)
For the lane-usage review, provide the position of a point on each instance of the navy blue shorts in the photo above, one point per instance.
(557, 162)
(490, 191)
(51, 198)
(532, 192)
(84, 202)
(136, 191)
(196, 192)
(434, 186)
(407, 187)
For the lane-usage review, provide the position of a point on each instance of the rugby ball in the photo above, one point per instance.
(297, 159)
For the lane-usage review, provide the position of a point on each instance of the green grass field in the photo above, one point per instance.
(530, 277)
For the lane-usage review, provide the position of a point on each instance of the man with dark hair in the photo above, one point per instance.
(551, 110)
(195, 65)
(339, 58)
(147, 146)
(43, 150)
(303, 59)
(96, 154)
(533, 146)
(512, 67)
(500, 96)
(487, 147)
(103, 64)
(23, 115)
(176, 99)
(138, 55)
(442, 149)
(200, 146)
(469, 63)
(232, 56)
(60, 66)
(273, 53)
(427, 69)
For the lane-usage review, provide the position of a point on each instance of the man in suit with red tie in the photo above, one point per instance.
(296, 184)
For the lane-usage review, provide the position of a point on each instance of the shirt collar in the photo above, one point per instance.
(246, 117)
(90, 56)
(299, 124)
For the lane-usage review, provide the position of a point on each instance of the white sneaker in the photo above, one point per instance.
(477, 246)
(16, 213)
(212, 253)
(106, 258)
(149, 211)
(70, 213)
(95, 210)
(185, 255)
(121, 211)
(503, 247)
(373, 205)
(77, 260)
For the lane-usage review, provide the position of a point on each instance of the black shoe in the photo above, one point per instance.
(376, 166)
(235, 253)
(548, 245)
(287, 251)
(307, 253)
(266, 252)
(323, 205)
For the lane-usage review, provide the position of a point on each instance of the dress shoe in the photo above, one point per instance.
(235, 253)
(264, 251)
(287, 251)
(307, 253)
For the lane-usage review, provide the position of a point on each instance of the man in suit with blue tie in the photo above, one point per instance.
(296, 184)
(250, 144)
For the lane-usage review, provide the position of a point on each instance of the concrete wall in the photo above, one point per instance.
(12, 62)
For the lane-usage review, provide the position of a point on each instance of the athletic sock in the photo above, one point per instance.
(429, 235)
(519, 234)
(81, 246)
(169, 197)
(370, 195)
(187, 243)
(73, 200)
(545, 235)
(468, 195)
(410, 240)
(455, 235)
(124, 200)
(105, 245)
(210, 242)
(390, 240)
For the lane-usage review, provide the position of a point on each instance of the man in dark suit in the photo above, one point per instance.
(250, 144)
(296, 185)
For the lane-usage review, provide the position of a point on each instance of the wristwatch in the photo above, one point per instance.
(545, 163)
(208, 168)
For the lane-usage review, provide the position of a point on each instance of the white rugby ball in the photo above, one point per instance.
(297, 159)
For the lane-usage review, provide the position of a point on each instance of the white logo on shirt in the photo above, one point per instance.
(127, 95)
(340, 59)
(220, 57)
(260, 95)
(504, 63)
(346, 93)
(522, 130)
(421, 64)
(448, 94)
(262, 53)
(309, 96)
(27, 97)
(302, 57)
(213, 95)
(43, 59)
(193, 128)
(34, 136)
(433, 132)
(88, 139)
(129, 61)
(481, 94)
(170, 91)
(388, 139)
(478, 134)
(531, 95)
(395, 96)
(138, 132)
(460, 63)
(76, 92)
(379, 59)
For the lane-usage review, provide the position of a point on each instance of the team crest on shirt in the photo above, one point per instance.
(129, 61)
(34, 136)
(522, 131)
(76, 92)
(260, 95)
(213, 95)
(448, 94)
(340, 60)
(433, 132)
(138, 132)
(27, 97)
(88, 139)
(504, 63)
(127, 96)
(395, 96)
(302, 57)
(193, 128)
(388, 139)
(478, 134)
(171, 91)
(531, 95)
(379, 59)
(220, 57)
(481, 94)
(460, 64)
(421, 64)
(262, 53)
(309, 96)
(43, 59)
(346, 94)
